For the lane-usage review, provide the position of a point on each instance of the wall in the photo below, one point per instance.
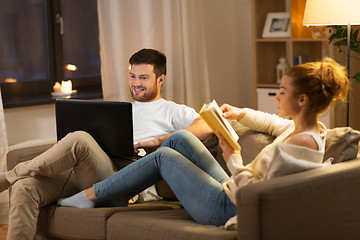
(230, 68)
(30, 123)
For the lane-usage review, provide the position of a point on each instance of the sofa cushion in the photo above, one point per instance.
(342, 144)
(75, 223)
(167, 224)
(251, 142)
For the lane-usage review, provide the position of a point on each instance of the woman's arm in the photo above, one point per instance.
(257, 120)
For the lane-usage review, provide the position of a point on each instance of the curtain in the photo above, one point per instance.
(173, 27)
(4, 206)
(207, 43)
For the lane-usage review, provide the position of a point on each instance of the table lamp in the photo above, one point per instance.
(334, 12)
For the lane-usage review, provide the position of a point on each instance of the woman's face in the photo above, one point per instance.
(287, 103)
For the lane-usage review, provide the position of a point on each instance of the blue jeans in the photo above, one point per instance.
(190, 170)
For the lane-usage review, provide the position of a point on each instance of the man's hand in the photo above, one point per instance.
(149, 146)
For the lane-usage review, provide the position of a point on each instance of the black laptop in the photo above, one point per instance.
(108, 122)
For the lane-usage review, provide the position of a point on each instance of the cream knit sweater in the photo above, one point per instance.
(276, 159)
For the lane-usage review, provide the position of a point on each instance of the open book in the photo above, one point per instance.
(212, 115)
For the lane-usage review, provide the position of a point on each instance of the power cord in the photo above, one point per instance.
(45, 236)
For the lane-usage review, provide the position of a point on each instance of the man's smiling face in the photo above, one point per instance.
(144, 86)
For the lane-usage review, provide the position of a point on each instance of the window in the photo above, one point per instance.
(47, 41)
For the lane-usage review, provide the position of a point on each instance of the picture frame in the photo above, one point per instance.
(277, 25)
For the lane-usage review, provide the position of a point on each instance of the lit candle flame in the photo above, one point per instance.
(66, 86)
(71, 67)
(10, 80)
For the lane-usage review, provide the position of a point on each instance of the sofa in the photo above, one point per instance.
(322, 203)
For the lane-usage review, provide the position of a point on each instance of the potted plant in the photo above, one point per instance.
(338, 36)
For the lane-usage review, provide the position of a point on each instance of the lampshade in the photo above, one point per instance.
(332, 12)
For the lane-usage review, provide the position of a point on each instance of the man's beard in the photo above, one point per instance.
(145, 96)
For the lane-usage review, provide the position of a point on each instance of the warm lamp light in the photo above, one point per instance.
(334, 12)
(331, 12)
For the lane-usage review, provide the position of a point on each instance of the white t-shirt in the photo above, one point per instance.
(161, 117)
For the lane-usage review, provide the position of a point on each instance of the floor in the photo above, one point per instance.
(3, 231)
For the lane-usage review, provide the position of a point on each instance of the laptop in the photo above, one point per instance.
(109, 123)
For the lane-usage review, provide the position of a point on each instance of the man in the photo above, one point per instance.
(166, 117)
(77, 162)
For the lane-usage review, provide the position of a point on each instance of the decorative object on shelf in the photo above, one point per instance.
(338, 12)
(277, 24)
(300, 59)
(319, 32)
(281, 69)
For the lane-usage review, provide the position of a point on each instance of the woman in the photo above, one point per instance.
(198, 181)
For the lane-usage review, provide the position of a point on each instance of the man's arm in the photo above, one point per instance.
(198, 127)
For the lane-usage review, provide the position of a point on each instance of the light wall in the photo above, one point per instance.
(30, 123)
(229, 67)
(229, 71)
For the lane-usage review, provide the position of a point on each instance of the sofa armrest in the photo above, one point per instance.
(321, 203)
(18, 155)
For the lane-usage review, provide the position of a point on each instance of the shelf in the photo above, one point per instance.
(267, 85)
(291, 40)
(272, 39)
(300, 47)
(309, 40)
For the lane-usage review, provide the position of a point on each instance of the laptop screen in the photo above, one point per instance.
(109, 123)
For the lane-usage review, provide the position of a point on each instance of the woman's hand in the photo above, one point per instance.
(227, 150)
(230, 112)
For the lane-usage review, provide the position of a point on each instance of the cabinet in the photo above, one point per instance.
(266, 103)
(266, 99)
(268, 51)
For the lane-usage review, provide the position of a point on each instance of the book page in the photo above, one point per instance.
(213, 105)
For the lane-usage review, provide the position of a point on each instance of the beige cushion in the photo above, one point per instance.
(342, 144)
(89, 223)
(251, 142)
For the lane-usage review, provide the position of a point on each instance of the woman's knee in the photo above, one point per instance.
(182, 136)
(165, 153)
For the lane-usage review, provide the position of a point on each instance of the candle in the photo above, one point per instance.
(66, 86)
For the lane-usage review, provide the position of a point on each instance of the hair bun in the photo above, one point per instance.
(334, 79)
